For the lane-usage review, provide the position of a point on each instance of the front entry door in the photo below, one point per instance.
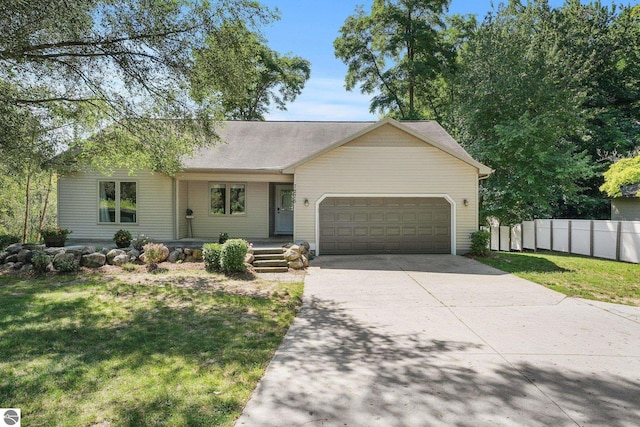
(284, 209)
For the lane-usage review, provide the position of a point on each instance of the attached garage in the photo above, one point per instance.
(379, 224)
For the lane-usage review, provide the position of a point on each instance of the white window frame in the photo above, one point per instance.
(227, 199)
(117, 207)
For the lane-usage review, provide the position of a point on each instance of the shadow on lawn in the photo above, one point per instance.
(519, 263)
(334, 370)
(89, 342)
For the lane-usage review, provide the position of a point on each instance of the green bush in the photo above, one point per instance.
(7, 239)
(66, 266)
(480, 243)
(211, 255)
(140, 241)
(40, 261)
(232, 256)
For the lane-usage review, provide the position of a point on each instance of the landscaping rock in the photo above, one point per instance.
(53, 251)
(94, 260)
(11, 258)
(134, 254)
(104, 251)
(7, 266)
(165, 254)
(22, 255)
(27, 268)
(14, 249)
(3, 256)
(296, 264)
(143, 258)
(176, 255)
(197, 254)
(81, 250)
(293, 253)
(305, 261)
(114, 253)
(304, 247)
(249, 258)
(189, 258)
(188, 251)
(17, 265)
(120, 260)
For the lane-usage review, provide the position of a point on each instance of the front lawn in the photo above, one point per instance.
(132, 349)
(574, 275)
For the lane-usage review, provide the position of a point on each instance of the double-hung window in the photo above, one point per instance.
(117, 202)
(227, 199)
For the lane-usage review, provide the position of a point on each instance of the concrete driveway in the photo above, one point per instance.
(444, 340)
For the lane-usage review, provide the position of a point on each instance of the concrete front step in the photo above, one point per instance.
(268, 251)
(271, 263)
(271, 269)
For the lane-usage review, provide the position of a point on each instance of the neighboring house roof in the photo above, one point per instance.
(281, 146)
(631, 190)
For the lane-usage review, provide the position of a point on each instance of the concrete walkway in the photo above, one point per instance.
(444, 340)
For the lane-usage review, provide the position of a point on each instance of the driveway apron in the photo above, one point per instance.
(427, 340)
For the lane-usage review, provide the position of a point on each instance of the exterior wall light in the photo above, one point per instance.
(306, 202)
(465, 202)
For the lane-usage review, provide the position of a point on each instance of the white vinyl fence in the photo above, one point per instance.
(618, 240)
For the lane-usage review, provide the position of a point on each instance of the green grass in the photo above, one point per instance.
(574, 275)
(96, 350)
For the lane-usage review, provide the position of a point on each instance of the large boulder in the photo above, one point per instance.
(53, 251)
(120, 260)
(134, 254)
(249, 258)
(305, 261)
(293, 253)
(197, 254)
(94, 260)
(176, 255)
(3, 256)
(304, 247)
(188, 251)
(114, 253)
(80, 249)
(63, 257)
(11, 258)
(296, 264)
(14, 249)
(23, 255)
(27, 268)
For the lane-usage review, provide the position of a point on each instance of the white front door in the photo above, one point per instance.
(284, 209)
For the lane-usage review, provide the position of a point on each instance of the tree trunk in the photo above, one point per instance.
(26, 209)
(46, 203)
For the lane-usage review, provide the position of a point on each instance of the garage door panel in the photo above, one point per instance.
(385, 225)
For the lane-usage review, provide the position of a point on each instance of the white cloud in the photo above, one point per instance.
(326, 99)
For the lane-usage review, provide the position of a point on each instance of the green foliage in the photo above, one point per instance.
(232, 255)
(480, 243)
(153, 254)
(55, 232)
(623, 172)
(211, 253)
(67, 266)
(140, 241)
(40, 261)
(398, 52)
(7, 239)
(122, 236)
(258, 77)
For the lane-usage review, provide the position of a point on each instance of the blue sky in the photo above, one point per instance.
(308, 28)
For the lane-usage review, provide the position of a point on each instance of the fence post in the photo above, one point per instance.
(535, 235)
(569, 237)
(550, 234)
(522, 236)
(618, 240)
(591, 242)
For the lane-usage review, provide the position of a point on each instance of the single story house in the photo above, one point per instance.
(345, 187)
(627, 207)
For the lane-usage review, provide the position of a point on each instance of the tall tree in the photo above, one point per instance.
(261, 77)
(396, 52)
(114, 63)
(520, 113)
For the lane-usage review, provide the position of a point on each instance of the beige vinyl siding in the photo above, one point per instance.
(625, 209)
(387, 161)
(253, 224)
(78, 205)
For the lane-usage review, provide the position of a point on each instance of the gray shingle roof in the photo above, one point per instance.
(272, 146)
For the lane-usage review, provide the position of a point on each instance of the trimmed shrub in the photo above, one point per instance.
(154, 254)
(232, 256)
(40, 261)
(211, 255)
(67, 266)
(7, 239)
(480, 243)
